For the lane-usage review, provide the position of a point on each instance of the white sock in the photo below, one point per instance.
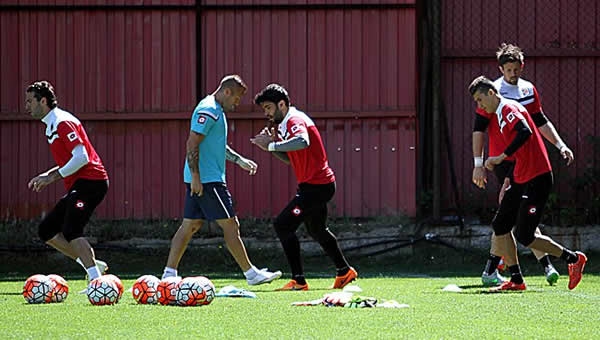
(169, 272)
(251, 273)
(93, 272)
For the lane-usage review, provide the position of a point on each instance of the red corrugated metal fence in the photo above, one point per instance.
(133, 74)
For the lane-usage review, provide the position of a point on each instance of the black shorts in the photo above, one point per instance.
(523, 205)
(503, 170)
(214, 204)
(73, 211)
(308, 206)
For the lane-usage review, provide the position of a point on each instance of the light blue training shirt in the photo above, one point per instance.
(209, 120)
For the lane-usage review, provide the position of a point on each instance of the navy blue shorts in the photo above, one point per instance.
(214, 204)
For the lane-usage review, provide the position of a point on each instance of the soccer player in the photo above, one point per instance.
(510, 85)
(84, 177)
(298, 143)
(523, 202)
(207, 197)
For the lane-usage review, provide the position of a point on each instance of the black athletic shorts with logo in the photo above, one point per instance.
(308, 206)
(73, 211)
(522, 207)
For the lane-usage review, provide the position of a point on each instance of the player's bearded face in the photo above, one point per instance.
(511, 72)
(277, 116)
(32, 106)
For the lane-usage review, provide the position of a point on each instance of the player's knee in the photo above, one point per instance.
(524, 237)
(501, 229)
(190, 227)
(72, 233)
(45, 233)
(281, 229)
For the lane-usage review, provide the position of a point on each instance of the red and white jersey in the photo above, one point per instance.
(532, 157)
(64, 132)
(496, 144)
(524, 92)
(310, 164)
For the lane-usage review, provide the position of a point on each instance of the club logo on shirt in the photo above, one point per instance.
(296, 211)
(201, 120)
(72, 136)
(295, 128)
(526, 91)
(532, 210)
(80, 204)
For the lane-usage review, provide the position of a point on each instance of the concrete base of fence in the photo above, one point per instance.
(397, 239)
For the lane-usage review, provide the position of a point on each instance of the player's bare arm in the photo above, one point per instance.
(479, 174)
(39, 182)
(193, 156)
(549, 132)
(243, 162)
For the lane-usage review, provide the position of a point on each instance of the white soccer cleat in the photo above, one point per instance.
(494, 279)
(264, 276)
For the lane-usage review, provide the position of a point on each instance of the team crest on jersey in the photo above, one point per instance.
(526, 91)
(296, 211)
(80, 204)
(72, 136)
(295, 128)
(532, 210)
(201, 119)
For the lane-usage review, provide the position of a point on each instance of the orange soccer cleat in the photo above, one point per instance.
(509, 285)
(293, 285)
(342, 281)
(576, 270)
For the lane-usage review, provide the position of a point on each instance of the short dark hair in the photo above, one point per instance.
(43, 89)
(509, 53)
(481, 84)
(272, 93)
(233, 81)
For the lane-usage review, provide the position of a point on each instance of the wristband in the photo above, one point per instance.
(560, 145)
(478, 162)
(271, 146)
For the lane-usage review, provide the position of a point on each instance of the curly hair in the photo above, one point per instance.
(43, 89)
(509, 53)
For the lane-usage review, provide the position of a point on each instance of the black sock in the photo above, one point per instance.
(545, 261)
(492, 264)
(515, 274)
(299, 279)
(569, 256)
(342, 271)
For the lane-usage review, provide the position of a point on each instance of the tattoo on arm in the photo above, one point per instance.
(231, 155)
(192, 157)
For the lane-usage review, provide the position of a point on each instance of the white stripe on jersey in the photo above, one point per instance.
(522, 92)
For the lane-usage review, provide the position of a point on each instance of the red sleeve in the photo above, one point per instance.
(68, 134)
(536, 105)
(296, 126)
(511, 116)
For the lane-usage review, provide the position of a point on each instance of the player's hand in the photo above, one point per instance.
(196, 187)
(262, 141)
(39, 182)
(567, 154)
(248, 165)
(479, 177)
(505, 186)
(491, 162)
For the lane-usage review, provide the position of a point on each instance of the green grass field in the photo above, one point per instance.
(542, 312)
